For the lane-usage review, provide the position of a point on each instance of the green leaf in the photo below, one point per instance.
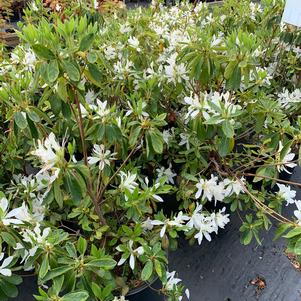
(73, 186)
(56, 104)
(33, 130)
(230, 69)
(82, 245)
(297, 249)
(96, 290)
(147, 270)
(86, 42)
(281, 229)
(268, 172)
(58, 194)
(157, 142)
(14, 279)
(8, 238)
(57, 272)
(158, 268)
(76, 296)
(235, 79)
(134, 136)
(247, 237)
(62, 89)
(107, 263)
(225, 146)
(58, 283)
(293, 233)
(228, 128)
(10, 290)
(33, 116)
(66, 111)
(53, 71)
(20, 120)
(91, 57)
(72, 71)
(43, 52)
(44, 267)
(95, 73)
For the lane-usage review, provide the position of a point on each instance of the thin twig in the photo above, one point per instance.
(274, 179)
(102, 191)
(263, 206)
(89, 180)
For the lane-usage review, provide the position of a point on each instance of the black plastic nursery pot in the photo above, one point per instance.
(149, 291)
(146, 292)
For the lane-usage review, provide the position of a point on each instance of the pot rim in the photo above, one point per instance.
(142, 287)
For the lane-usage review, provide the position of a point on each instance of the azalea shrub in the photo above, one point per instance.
(121, 133)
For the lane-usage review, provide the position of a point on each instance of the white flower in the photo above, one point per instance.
(196, 217)
(286, 161)
(185, 140)
(34, 6)
(58, 7)
(287, 99)
(159, 223)
(95, 4)
(90, 97)
(23, 214)
(174, 72)
(37, 238)
(101, 109)
(110, 53)
(206, 188)
(138, 109)
(152, 71)
(297, 212)
(101, 155)
(166, 172)
(177, 221)
(167, 135)
(25, 254)
(3, 267)
(127, 181)
(152, 190)
(38, 210)
(122, 69)
(194, 107)
(133, 254)
(29, 60)
(134, 42)
(49, 152)
(125, 28)
(171, 281)
(233, 186)
(45, 179)
(286, 193)
(147, 224)
(8, 218)
(220, 218)
(205, 228)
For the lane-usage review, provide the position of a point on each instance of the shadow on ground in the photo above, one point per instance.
(222, 269)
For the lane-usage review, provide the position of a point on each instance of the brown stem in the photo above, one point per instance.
(263, 206)
(271, 178)
(269, 164)
(257, 202)
(93, 197)
(102, 191)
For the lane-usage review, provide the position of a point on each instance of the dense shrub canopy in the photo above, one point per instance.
(105, 118)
